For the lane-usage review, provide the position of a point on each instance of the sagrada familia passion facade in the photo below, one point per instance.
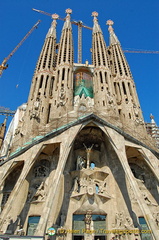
(77, 163)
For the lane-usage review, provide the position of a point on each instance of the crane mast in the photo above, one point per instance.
(4, 63)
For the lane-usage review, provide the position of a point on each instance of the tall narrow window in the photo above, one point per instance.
(63, 74)
(51, 86)
(32, 224)
(100, 74)
(145, 235)
(48, 115)
(41, 81)
(105, 77)
(46, 84)
(124, 89)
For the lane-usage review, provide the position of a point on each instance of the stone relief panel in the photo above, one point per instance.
(90, 184)
(146, 181)
(38, 186)
(37, 192)
(122, 221)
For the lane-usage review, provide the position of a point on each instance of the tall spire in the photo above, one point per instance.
(125, 92)
(67, 24)
(63, 84)
(52, 30)
(113, 37)
(102, 75)
(43, 79)
(121, 66)
(47, 57)
(99, 53)
(96, 27)
(65, 53)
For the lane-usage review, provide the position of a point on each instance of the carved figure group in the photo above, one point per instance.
(37, 193)
(89, 185)
(122, 222)
(34, 113)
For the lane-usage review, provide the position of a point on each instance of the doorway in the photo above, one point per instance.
(99, 238)
(78, 237)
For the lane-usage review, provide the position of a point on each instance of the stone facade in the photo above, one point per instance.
(80, 160)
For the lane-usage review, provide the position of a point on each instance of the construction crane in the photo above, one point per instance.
(77, 23)
(4, 64)
(6, 111)
(141, 51)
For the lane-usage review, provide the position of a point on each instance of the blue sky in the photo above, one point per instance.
(136, 25)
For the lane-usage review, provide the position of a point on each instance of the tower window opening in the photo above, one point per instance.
(100, 75)
(130, 91)
(51, 85)
(126, 100)
(119, 88)
(41, 81)
(58, 75)
(109, 52)
(124, 89)
(63, 73)
(115, 87)
(105, 77)
(46, 84)
(48, 114)
(119, 111)
(129, 115)
(103, 103)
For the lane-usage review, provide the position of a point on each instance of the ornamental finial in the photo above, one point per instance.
(68, 11)
(110, 24)
(151, 116)
(94, 14)
(55, 16)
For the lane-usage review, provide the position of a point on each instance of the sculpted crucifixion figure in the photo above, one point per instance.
(88, 151)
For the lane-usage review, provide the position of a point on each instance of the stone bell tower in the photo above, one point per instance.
(79, 164)
(51, 93)
(124, 87)
(103, 79)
